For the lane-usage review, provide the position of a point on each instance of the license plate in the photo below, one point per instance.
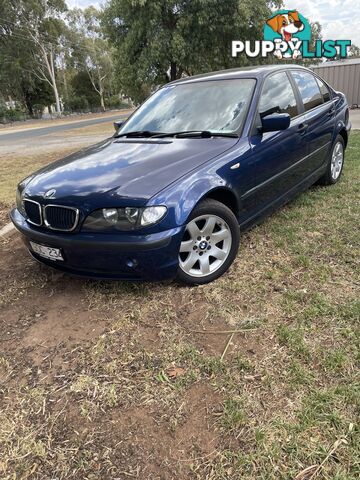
(50, 253)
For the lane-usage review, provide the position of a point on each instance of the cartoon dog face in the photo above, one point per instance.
(286, 24)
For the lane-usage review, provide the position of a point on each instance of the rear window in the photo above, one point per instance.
(309, 89)
(325, 92)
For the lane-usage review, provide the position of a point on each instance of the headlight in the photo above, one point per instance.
(19, 202)
(152, 215)
(19, 199)
(19, 194)
(128, 218)
(110, 215)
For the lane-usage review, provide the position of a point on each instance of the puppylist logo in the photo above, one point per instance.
(287, 35)
(287, 31)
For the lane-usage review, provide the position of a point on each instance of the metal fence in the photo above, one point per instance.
(343, 75)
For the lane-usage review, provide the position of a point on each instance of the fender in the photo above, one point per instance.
(342, 123)
(183, 195)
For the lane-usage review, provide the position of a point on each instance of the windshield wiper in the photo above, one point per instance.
(180, 134)
(137, 134)
(195, 133)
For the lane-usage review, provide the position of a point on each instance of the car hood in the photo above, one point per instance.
(118, 169)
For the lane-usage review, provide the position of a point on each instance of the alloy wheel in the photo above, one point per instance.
(337, 159)
(205, 246)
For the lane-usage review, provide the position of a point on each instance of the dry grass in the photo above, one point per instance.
(104, 129)
(163, 393)
(14, 167)
(28, 125)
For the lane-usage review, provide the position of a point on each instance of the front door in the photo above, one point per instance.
(278, 155)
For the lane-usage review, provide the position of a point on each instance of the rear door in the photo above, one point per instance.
(277, 155)
(319, 117)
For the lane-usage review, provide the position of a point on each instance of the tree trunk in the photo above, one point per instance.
(11, 103)
(102, 100)
(50, 65)
(66, 91)
(28, 103)
(101, 90)
(57, 98)
(173, 71)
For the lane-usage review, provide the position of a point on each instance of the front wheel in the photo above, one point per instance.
(210, 243)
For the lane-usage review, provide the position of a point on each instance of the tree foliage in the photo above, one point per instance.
(45, 45)
(159, 40)
(354, 51)
(89, 57)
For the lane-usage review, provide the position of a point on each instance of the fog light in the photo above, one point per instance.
(132, 262)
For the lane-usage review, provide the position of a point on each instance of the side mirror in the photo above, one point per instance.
(118, 125)
(275, 122)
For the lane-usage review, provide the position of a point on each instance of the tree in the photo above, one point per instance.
(16, 81)
(15, 56)
(46, 55)
(160, 40)
(82, 87)
(37, 28)
(354, 51)
(91, 50)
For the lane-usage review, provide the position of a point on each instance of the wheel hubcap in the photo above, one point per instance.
(337, 159)
(205, 246)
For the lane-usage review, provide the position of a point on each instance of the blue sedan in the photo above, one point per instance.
(203, 159)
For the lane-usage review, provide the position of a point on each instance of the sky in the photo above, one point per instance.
(340, 19)
(82, 3)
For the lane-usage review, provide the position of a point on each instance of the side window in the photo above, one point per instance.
(324, 90)
(309, 89)
(278, 96)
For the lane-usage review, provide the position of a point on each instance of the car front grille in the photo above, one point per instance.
(54, 217)
(58, 217)
(33, 212)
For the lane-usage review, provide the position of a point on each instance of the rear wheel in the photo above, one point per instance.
(335, 164)
(209, 244)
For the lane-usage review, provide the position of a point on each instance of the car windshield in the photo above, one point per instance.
(217, 106)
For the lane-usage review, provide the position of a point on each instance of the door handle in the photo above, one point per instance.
(302, 127)
(331, 112)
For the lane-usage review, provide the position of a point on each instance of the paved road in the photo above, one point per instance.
(40, 132)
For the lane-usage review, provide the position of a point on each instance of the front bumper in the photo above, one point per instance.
(107, 256)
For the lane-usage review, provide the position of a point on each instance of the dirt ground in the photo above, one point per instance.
(254, 376)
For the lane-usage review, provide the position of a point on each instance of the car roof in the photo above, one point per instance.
(258, 71)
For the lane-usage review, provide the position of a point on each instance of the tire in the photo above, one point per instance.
(210, 243)
(335, 164)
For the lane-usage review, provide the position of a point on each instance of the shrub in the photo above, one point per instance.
(77, 103)
(115, 102)
(11, 115)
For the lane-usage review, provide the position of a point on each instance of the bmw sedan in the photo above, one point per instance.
(203, 159)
